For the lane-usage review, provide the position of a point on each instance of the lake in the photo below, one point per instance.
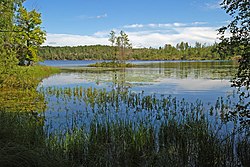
(205, 80)
(197, 82)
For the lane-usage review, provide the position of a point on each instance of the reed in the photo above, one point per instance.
(129, 129)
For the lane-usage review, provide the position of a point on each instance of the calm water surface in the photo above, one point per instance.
(192, 80)
(205, 80)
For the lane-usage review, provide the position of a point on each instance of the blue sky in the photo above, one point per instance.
(147, 22)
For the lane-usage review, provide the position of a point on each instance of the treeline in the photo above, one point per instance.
(182, 51)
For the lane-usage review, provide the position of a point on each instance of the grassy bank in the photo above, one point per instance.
(22, 139)
(18, 88)
(25, 77)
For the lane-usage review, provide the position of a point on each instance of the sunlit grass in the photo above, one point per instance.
(18, 90)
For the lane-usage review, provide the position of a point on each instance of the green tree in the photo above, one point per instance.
(123, 44)
(238, 44)
(7, 52)
(29, 36)
(112, 38)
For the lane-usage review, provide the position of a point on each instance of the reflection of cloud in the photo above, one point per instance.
(62, 79)
(132, 77)
(196, 84)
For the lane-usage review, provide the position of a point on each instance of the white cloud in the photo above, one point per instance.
(188, 34)
(101, 16)
(74, 40)
(153, 25)
(134, 26)
(199, 23)
(179, 24)
(140, 35)
(214, 5)
(92, 17)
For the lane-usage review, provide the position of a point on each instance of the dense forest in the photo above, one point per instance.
(182, 51)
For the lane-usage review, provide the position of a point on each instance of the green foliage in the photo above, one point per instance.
(7, 52)
(98, 52)
(20, 33)
(22, 137)
(112, 38)
(238, 43)
(121, 44)
(29, 36)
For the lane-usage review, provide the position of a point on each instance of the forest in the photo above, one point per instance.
(182, 51)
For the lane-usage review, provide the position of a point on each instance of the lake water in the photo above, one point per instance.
(202, 81)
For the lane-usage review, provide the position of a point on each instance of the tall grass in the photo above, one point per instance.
(128, 129)
(22, 142)
(22, 137)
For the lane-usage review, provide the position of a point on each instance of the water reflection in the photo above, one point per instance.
(191, 80)
(72, 94)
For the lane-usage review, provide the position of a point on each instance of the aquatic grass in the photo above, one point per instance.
(120, 144)
(122, 128)
(114, 144)
(243, 150)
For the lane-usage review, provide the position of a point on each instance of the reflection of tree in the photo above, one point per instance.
(119, 80)
(125, 77)
(213, 70)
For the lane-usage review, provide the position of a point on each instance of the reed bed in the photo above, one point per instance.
(120, 128)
